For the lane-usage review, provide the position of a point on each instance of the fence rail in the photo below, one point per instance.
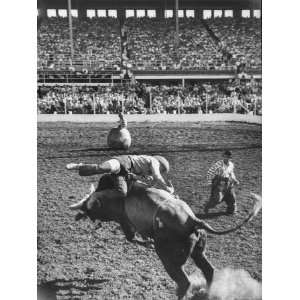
(109, 76)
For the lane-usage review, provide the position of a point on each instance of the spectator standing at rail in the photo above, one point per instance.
(225, 169)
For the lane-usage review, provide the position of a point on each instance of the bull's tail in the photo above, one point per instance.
(256, 208)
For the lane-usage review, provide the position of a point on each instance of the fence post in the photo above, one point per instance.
(94, 104)
(234, 105)
(65, 102)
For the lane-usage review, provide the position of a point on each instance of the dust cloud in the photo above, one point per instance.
(228, 284)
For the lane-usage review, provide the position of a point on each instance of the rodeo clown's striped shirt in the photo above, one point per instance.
(220, 168)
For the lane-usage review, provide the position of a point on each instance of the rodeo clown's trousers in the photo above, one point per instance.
(229, 198)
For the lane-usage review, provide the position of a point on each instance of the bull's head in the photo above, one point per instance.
(220, 187)
(98, 205)
(87, 205)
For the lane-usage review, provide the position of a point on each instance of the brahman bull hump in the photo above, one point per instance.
(147, 207)
(119, 138)
(141, 206)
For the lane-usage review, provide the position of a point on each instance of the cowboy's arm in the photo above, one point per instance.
(157, 177)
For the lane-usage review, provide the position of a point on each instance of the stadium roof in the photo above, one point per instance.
(151, 3)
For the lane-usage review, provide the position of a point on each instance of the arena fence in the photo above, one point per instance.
(82, 118)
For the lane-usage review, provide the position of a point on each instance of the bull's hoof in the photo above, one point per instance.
(148, 243)
(230, 211)
(201, 294)
(182, 292)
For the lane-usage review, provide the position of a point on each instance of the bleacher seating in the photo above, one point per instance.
(151, 44)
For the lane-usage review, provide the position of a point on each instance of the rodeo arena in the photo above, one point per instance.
(149, 168)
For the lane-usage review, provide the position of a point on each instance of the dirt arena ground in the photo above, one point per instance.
(77, 262)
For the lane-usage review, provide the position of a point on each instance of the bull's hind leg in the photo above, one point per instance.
(205, 266)
(174, 255)
(200, 260)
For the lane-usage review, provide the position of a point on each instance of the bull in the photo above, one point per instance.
(177, 233)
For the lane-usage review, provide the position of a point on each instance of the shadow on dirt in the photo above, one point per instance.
(49, 290)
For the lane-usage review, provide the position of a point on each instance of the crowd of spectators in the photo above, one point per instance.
(89, 99)
(96, 43)
(241, 38)
(151, 44)
(225, 96)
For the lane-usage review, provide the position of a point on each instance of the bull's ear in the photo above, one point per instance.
(92, 188)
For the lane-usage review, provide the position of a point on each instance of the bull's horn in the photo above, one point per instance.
(77, 205)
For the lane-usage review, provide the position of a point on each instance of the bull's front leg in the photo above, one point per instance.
(130, 234)
(127, 229)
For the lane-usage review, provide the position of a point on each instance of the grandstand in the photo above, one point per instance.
(142, 56)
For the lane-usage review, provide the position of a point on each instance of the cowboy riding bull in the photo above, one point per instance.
(177, 233)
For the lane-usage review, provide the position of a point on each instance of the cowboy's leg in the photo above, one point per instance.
(105, 182)
(120, 185)
(109, 166)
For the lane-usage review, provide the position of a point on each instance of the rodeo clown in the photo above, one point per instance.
(126, 168)
(122, 121)
(222, 170)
